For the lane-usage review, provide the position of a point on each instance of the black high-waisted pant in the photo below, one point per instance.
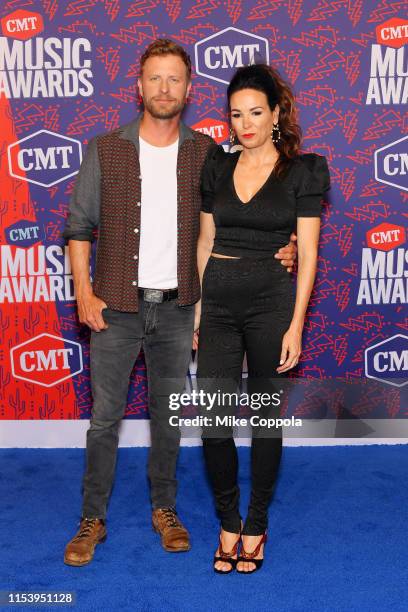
(247, 306)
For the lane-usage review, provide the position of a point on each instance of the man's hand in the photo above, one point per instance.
(90, 311)
(287, 254)
(197, 318)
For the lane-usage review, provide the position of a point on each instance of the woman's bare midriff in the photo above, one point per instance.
(224, 256)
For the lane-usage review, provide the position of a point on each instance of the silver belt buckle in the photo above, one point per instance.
(153, 295)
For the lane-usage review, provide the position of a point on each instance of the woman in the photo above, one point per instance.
(252, 200)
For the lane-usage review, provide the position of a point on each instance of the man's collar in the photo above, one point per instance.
(130, 131)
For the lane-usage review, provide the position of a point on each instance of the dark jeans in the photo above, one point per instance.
(165, 331)
(247, 306)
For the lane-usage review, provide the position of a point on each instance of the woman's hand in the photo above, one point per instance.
(291, 349)
(197, 318)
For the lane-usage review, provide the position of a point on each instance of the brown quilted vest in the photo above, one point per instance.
(116, 272)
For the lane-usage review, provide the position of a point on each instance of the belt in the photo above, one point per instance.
(158, 295)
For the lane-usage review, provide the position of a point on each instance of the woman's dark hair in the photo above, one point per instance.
(262, 77)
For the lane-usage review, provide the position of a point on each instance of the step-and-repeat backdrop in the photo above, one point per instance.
(68, 71)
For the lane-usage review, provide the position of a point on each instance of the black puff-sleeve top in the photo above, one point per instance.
(264, 224)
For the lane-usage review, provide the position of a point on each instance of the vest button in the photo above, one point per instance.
(138, 203)
(136, 230)
(134, 256)
(134, 283)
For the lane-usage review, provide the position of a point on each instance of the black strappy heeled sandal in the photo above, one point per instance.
(249, 556)
(226, 557)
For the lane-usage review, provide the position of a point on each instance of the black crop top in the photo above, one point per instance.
(264, 224)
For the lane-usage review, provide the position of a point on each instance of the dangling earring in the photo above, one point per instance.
(231, 136)
(275, 135)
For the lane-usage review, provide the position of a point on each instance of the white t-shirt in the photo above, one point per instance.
(158, 227)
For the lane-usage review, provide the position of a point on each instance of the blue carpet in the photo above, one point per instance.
(337, 535)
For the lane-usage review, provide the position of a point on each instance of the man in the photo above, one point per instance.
(140, 186)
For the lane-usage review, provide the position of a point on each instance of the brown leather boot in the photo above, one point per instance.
(80, 550)
(174, 536)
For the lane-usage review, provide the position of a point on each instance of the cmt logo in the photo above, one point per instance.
(387, 361)
(219, 55)
(391, 164)
(46, 360)
(218, 130)
(44, 158)
(22, 24)
(24, 233)
(393, 33)
(385, 237)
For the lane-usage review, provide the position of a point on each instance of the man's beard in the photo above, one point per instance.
(164, 112)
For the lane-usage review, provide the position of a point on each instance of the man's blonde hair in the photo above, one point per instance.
(165, 46)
